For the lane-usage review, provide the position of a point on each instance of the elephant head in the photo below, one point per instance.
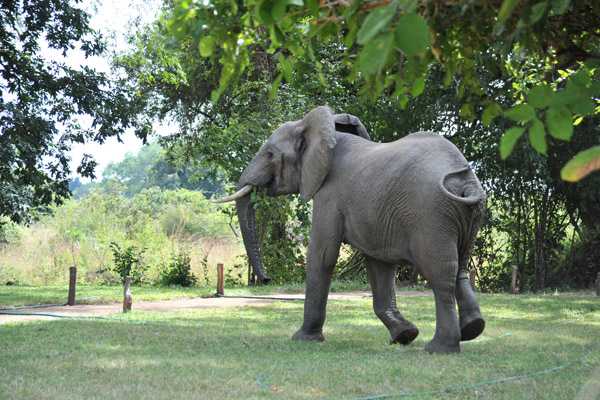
(295, 159)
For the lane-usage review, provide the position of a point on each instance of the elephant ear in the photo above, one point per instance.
(350, 124)
(319, 135)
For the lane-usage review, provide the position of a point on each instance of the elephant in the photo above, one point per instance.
(414, 200)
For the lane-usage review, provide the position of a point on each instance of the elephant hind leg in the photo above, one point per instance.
(470, 319)
(442, 278)
(383, 279)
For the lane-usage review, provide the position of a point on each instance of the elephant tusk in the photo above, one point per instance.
(237, 195)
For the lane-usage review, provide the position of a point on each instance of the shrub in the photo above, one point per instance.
(128, 263)
(177, 271)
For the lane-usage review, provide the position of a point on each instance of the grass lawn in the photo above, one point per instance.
(17, 296)
(246, 353)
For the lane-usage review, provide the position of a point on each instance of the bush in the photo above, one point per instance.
(128, 263)
(177, 271)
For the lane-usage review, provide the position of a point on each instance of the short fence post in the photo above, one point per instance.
(127, 297)
(472, 278)
(598, 284)
(220, 290)
(513, 281)
(72, 284)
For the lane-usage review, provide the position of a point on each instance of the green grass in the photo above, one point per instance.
(221, 353)
(15, 296)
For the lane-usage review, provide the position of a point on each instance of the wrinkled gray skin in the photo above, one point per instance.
(412, 200)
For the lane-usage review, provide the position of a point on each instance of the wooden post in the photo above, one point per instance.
(220, 290)
(72, 284)
(513, 281)
(127, 297)
(598, 284)
(472, 278)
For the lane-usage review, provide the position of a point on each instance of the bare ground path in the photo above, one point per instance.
(173, 305)
(79, 310)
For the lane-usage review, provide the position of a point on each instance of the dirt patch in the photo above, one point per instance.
(85, 310)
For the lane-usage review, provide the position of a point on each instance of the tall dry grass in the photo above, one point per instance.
(80, 232)
(43, 257)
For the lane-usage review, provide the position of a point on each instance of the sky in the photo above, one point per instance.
(110, 17)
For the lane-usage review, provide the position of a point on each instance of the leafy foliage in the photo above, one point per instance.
(128, 262)
(149, 168)
(43, 102)
(80, 232)
(177, 271)
(540, 47)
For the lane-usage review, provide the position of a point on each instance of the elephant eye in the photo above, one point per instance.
(269, 155)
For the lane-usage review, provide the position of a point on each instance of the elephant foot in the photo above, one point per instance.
(437, 347)
(471, 327)
(308, 336)
(405, 336)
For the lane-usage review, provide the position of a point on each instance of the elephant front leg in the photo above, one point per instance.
(321, 258)
(382, 277)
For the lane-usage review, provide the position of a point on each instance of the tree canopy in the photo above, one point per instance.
(543, 54)
(46, 105)
(536, 221)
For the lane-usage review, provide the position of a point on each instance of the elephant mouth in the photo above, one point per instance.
(272, 187)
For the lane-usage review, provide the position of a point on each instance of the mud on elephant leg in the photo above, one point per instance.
(447, 330)
(382, 277)
(470, 319)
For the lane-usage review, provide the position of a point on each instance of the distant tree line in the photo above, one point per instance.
(150, 168)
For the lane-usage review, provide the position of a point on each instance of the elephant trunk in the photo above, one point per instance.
(247, 219)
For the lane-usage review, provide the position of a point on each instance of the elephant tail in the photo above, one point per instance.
(470, 199)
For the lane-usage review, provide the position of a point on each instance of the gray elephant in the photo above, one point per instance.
(413, 200)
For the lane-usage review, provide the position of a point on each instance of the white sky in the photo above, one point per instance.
(111, 18)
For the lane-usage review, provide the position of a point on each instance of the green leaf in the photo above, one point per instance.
(491, 112)
(540, 96)
(207, 46)
(179, 28)
(286, 69)
(372, 57)
(507, 8)
(595, 88)
(280, 8)
(350, 10)
(274, 86)
(537, 136)
(560, 6)
(583, 105)
(565, 96)
(592, 63)
(376, 21)
(537, 11)
(418, 87)
(581, 165)
(581, 78)
(466, 111)
(560, 123)
(531, 15)
(508, 141)
(314, 7)
(412, 34)
(521, 113)
(264, 10)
